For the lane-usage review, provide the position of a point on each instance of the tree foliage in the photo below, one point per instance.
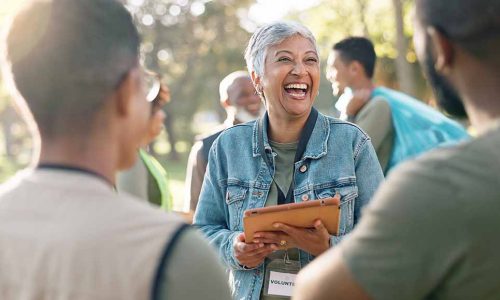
(193, 44)
(332, 21)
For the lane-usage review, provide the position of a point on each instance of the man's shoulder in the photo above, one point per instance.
(133, 205)
(377, 105)
(468, 169)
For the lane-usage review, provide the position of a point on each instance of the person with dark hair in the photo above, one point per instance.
(431, 232)
(399, 126)
(65, 233)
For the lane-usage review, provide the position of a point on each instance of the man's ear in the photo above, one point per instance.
(442, 50)
(123, 95)
(355, 68)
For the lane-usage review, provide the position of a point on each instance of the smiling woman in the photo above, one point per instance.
(292, 154)
(289, 84)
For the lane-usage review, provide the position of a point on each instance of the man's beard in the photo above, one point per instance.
(446, 95)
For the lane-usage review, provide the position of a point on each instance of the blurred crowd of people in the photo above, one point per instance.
(92, 217)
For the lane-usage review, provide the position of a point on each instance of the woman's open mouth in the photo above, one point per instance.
(296, 90)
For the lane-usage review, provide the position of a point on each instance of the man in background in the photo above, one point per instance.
(65, 233)
(400, 127)
(242, 104)
(431, 231)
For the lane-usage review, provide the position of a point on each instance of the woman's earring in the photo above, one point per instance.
(258, 91)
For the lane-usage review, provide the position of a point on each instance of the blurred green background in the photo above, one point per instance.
(195, 43)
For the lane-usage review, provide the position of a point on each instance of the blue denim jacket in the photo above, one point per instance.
(339, 158)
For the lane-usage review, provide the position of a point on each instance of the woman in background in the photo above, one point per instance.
(148, 179)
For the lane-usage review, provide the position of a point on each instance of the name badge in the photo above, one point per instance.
(281, 284)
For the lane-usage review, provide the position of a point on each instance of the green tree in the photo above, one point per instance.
(386, 22)
(193, 44)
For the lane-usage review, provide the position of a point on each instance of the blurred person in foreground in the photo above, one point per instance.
(148, 179)
(242, 104)
(292, 154)
(431, 232)
(400, 127)
(65, 233)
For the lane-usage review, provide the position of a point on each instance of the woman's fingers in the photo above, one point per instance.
(269, 237)
(245, 248)
(319, 226)
(253, 258)
(290, 230)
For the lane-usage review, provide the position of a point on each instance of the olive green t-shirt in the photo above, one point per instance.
(283, 175)
(432, 230)
(375, 119)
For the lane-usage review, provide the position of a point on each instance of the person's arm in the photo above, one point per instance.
(316, 283)
(212, 213)
(368, 178)
(407, 240)
(193, 271)
(195, 172)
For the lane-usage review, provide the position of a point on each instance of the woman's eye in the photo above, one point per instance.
(312, 59)
(284, 58)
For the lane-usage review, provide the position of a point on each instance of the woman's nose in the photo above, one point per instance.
(298, 68)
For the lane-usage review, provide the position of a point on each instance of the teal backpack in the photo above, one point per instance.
(417, 127)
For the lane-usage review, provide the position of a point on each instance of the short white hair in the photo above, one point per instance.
(228, 81)
(268, 36)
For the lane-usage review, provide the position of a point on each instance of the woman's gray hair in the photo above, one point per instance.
(268, 36)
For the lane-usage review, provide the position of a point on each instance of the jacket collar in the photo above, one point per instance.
(316, 147)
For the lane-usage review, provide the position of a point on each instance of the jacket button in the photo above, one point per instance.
(305, 197)
(303, 168)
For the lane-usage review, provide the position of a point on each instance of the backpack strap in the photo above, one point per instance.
(164, 259)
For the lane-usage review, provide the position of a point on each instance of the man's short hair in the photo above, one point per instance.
(358, 49)
(65, 57)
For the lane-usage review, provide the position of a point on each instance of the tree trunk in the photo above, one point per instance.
(404, 70)
(362, 12)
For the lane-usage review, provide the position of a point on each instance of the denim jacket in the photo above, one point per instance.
(339, 158)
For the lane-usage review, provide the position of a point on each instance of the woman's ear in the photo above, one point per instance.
(256, 82)
(225, 103)
(442, 50)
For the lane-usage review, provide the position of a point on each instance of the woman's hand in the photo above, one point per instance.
(250, 255)
(314, 241)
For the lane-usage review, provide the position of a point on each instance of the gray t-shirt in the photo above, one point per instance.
(433, 229)
(193, 271)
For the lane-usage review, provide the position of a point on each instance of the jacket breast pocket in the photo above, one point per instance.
(235, 198)
(348, 191)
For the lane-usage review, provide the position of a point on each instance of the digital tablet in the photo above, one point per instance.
(301, 214)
